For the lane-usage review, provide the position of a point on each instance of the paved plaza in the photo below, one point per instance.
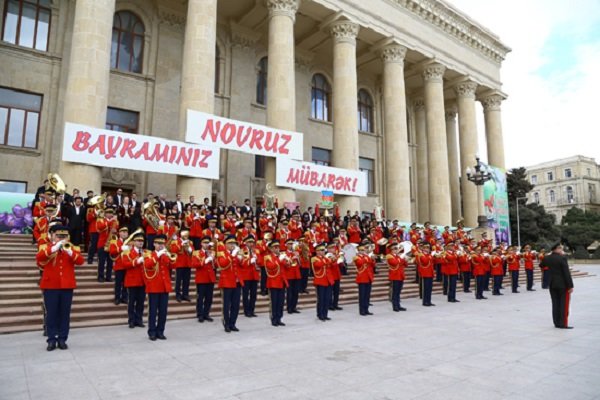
(503, 347)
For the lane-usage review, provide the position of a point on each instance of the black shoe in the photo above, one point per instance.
(274, 324)
(515, 291)
(227, 329)
(290, 311)
(209, 319)
(280, 323)
(369, 313)
(100, 279)
(331, 308)
(131, 325)
(445, 293)
(484, 298)
(62, 345)
(338, 308)
(161, 337)
(363, 314)
(153, 338)
(200, 319)
(327, 319)
(234, 328)
(51, 346)
(370, 304)
(495, 294)
(117, 302)
(296, 311)
(253, 315)
(108, 280)
(178, 299)
(427, 305)
(186, 298)
(402, 309)
(432, 305)
(566, 327)
(323, 319)
(467, 291)
(141, 325)
(531, 290)
(396, 309)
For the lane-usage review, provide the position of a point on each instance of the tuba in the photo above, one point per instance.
(56, 183)
(151, 215)
(98, 203)
(130, 237)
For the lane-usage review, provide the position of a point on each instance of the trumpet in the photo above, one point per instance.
(67, 246)
(172, 257)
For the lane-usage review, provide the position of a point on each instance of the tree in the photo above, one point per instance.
(517, 184)
(580, 228)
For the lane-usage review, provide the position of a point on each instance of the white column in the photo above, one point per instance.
(281, 82)
(467, 122)
(345, 104)
(422, 161)
(197, 79)
(396, 134)
(439, 181)
(86, 98)
(453, 164)
(493, 128)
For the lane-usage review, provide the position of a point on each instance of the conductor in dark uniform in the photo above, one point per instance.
(561, 285)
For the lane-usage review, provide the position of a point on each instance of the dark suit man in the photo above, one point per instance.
(561, 285)
(76, 217)
(118, 197)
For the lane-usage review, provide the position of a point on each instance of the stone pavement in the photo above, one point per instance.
(503, 347)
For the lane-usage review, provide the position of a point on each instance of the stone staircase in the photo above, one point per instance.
(20, 297)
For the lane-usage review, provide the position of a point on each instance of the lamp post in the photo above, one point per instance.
(518, 222)
(479, 175)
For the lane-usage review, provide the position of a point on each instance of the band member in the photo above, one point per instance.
(528, 259)
(364, 277)
(157, 278)
(58, 260)
(478, 262)
(295, 226)
(424, 262)
(276, 282)
(203, 261)
(245, 232)
(447, 236)
(561, 285)
(322, 282)
(265, 224)
(354, 232)
(545, 270)
(106, 226)
(169, 228)
(464, 263)
(450, 260)
(115, 252)
(291, 267)
(514, 264)
(183, 248)
(304, 256)
(230, 282)
(212, 231)
(42, 224)
(195, 221)
(261, 250)
(133, 261)
(397, 263)
(334, 269)
(90, 218)
(496, 261)
(251, 275)
(230, 223)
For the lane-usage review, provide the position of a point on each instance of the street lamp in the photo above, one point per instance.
(479, 177)
(518, 222)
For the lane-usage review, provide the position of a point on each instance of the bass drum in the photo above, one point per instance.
(349, 252)
(407, 245)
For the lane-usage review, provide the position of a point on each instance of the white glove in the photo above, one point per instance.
(270, 224)
(161, 252)
(434, 253)
(69, 252)
(174, 237)
(282, 257)
(124, 247)
(189, 250)
(208, 260)
(196, 218)
(235, 251)
(253, 260)
(185, 241)
(56, 247)
(161, 223)
(140, 260)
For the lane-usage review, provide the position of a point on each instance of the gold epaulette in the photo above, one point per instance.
(220, 254)
(147, 253)
(76, 248)
(43, 247)
(267, 257)
(387, 257)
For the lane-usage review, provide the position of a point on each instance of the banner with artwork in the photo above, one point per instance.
(104, 148)
(15, 212)
(495, 200)
(214, 131)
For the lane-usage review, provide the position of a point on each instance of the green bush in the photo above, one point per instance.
(581, 253)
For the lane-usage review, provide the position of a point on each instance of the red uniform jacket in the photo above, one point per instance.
(281, 235)
(414, 236)
(168, 230)
(244, 233)
(464, 263)
(425, 265)
(149, 228)
(364, 268)
(184, 259)
(513, 261)
(291, 266)
(265, 226)
(496, 265)
(90, 217)
(134, 274)
(322, 233)
(479, 264)
(275, 274)
(540, 258)
(229, 226)
(447, 236)
(114, 250)
(59, 267)
(216, 234)
(311, 239)
(529, 258)
(205, 272)
(319, 267)
(39, 210)
(295, 229)
(157, 275)
(104, 227)
(40, 228)
(334, 267)
(450, 263)
(249, 268)
(261, 250)
(354, 234)
(195, 225)
(229, 270)
(396, 265)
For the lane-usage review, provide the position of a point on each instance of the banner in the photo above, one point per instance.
(316, 178)
(495, 201)
(327, 199)
(15, 212)
(87, 145)
(211, 130)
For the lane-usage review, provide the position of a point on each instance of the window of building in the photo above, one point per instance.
(259, 166)
(127, 47)
(568, 173)
(592, 192)
(550, 176)
(27, 23)
(365, 111)
(534, 179)
(19, 118)
(122, 120)
(551, 196)
(320, 98)
(13, 186)
(368, 165)
(321, 156)
(536, 197)
(570, 196)
(589, 172)
(217, 68)
(261, 82)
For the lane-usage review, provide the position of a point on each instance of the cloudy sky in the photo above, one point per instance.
(552, 76)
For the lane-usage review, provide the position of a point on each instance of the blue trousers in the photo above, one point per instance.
(438, 272)
(445, 283)
(120, 292)
(231, 305)
(150, 242)
(105, 264)
(486, 281)
(304, 279)
(515, 280)
(427, 287)
(204, 299)
(292, 294)
(545, 279)
(277, 298)
(466, 281)
(182, 282)
(335, 294)
(58, 313)
(497, 284)
(451, 287)
(529, 273)
(249, 297)
(93, 247)
(479, 285)
(135, 305)
(364, 297)
(323, 299)
(263, 280)
(157, 313)
(396, 291)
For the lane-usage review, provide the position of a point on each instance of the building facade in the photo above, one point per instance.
(562, 184)
(390, 89)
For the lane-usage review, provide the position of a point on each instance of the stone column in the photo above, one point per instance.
(422, 162)
(281, 82)
(397, 203)
(493, 128)
(86, 94)
(467, 127)
(453, 164)
(440, 210)
(345, 104)
(197, 79)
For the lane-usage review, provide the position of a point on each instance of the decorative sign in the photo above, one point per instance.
(213, 131)
(327, 198)
(495, 201)
(87, 145)
(316, 178)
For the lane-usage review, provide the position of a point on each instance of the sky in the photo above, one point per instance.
(551, 76)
